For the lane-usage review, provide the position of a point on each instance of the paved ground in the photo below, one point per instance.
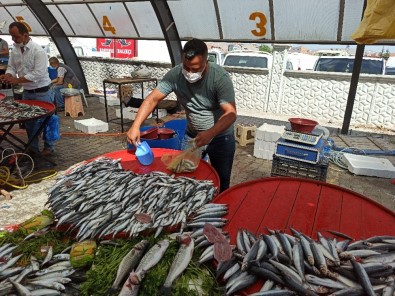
(76, 146)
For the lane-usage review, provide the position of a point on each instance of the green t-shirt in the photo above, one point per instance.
(202, 99)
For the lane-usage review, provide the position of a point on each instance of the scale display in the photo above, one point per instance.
(308, 139)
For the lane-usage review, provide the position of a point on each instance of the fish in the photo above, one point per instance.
(180, 262)
(132, 284)
(128, 262)
(153, 256)
(212, 234)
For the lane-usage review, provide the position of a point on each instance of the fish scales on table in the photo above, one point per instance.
(91, 198)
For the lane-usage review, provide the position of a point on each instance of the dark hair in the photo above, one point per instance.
(21, 27)
(54, 60)
(195, 47)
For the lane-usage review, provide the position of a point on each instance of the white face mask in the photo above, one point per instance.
(193, 77)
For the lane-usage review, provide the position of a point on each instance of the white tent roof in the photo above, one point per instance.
(294, 21)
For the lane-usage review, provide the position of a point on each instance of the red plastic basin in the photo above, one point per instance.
(302, 125)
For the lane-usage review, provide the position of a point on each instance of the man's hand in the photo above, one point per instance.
(133, 135)
(203, 138)
(8, 78)
(4, 77)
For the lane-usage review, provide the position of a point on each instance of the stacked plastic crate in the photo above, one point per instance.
(265, 140)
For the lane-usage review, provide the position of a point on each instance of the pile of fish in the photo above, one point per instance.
(11, 110)
(297, 264)
(51, 276)
(100, 198)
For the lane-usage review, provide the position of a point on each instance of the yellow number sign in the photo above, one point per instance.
(260, 30)
(21, 20)
(107, 25)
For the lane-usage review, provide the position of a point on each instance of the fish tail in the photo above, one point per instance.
(165, 291)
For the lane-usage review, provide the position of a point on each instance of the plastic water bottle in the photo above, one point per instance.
(327, 150)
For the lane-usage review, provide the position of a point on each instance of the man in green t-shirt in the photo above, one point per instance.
(206, 92)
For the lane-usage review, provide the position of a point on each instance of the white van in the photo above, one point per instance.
(248, 59)
(216, 56)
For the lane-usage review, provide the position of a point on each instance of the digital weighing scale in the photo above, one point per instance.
(305, 147)
(308, 139)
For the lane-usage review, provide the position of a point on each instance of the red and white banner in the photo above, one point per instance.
(119, 48)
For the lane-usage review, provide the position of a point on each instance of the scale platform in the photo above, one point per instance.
(300, 152)
(303, 138)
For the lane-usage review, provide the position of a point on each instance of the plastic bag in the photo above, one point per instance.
(51, 130)
(378, 22)
(186, 162)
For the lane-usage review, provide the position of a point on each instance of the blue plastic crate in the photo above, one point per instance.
(178, 125)
(172, 143)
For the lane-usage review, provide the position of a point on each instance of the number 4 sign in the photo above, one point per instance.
(107, 25)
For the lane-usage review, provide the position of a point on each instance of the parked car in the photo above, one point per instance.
(345, 64)
(248, 59)
(216, 56)
(390, 71)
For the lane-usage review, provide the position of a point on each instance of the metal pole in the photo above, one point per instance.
(353, 88)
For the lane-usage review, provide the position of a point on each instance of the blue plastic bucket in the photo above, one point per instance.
(179, 125)
(172, 143)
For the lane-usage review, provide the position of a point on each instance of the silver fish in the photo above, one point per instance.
(129, 262)
(180, 263)
(153, 256)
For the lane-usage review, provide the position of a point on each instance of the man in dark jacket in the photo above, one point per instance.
(65, 79)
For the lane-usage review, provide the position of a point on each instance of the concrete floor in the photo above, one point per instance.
(75, 146)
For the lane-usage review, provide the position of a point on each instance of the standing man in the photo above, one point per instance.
(28, 66)
(65, 77)
(206, 92)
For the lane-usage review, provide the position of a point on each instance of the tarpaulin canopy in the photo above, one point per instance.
(296, 21)
(378, 22)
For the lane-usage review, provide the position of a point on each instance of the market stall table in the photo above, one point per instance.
(308, 206)
(125, 81)
(6, 125)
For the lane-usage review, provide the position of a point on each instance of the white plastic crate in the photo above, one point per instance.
(128, 113)
(111, 100)
(91, 126)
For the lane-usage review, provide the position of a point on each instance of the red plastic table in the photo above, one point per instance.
(308, 206)
(6, 125)
(129, 162)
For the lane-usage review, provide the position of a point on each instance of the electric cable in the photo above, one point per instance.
(22, 181)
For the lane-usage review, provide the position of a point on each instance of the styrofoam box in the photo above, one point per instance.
(269, 133)
(264, 154)
(128, 113)
(161, 113)
(111, 100)
(91, 126)
(369, 166)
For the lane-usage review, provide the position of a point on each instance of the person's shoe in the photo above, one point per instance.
(60, 109)
(47, 152)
